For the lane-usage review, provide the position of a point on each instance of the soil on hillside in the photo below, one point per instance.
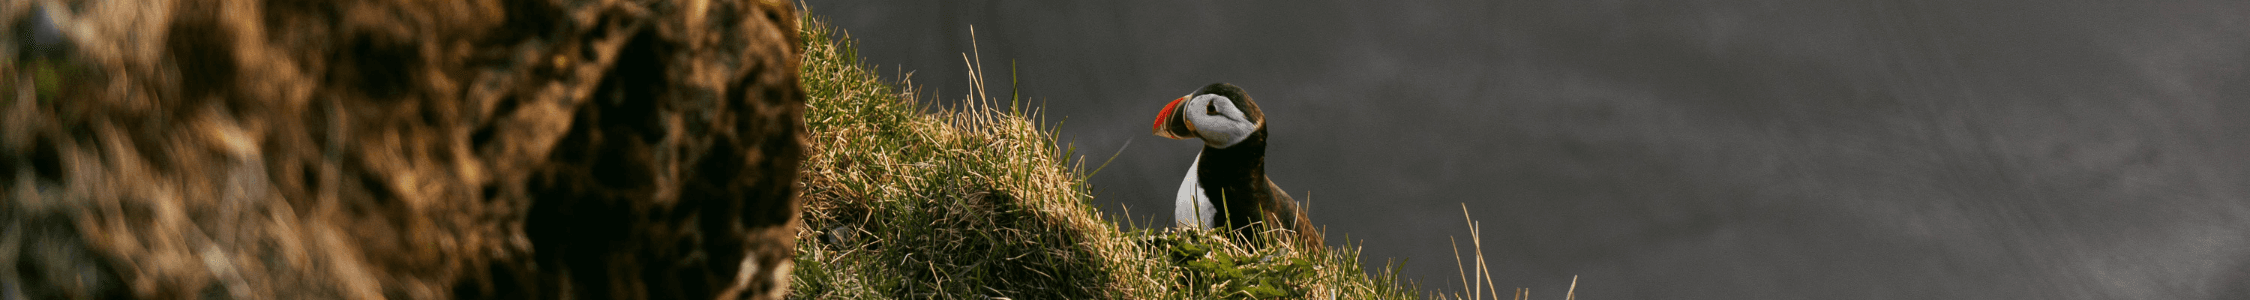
(368, 149)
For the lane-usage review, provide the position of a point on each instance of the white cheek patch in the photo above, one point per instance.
(1220, 130)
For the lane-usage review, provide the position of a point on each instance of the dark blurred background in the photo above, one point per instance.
(1675, 149)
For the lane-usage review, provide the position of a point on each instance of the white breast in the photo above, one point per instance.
(1192, 208)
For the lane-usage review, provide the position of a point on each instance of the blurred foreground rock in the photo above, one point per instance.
(398, 149)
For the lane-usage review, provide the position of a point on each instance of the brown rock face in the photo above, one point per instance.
(363, 149)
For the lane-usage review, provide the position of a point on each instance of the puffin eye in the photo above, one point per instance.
(1210, 109)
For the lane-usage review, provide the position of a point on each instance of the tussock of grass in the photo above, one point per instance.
(979, 202)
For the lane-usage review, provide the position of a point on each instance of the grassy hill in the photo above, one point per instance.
(979, 201)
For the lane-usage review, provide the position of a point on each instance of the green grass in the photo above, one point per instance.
(45, 78)
(979, 201)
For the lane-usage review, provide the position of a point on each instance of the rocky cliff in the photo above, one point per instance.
(368, 149)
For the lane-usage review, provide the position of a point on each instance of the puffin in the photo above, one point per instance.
(1226, 185)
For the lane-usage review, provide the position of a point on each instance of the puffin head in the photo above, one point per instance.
(1220, 114)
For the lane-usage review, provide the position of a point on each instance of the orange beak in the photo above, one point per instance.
(1170, 124)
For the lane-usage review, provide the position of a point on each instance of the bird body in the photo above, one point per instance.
(1227, 186)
